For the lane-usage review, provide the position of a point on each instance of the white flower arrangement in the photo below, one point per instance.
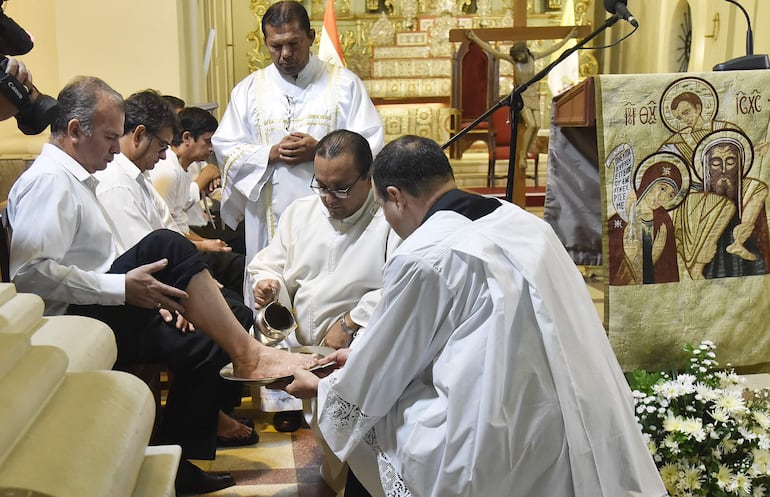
(708, 435)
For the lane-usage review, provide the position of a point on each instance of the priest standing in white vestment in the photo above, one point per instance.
(485, 370)
(268, 134)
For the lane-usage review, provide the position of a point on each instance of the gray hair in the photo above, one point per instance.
(79, 100)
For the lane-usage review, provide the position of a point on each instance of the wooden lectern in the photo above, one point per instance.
(572, 198)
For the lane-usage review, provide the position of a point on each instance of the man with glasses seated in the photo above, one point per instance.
(325, 260)
(135, 210)
(191, 143)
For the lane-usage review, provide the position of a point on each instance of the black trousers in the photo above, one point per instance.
(197, 391)
(227, 268)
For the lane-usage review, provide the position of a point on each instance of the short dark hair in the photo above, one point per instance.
(174, 102)
(411, 163)
(195, 120)
(285, 12)
(149, 109)
(78, 100)
(342, 141)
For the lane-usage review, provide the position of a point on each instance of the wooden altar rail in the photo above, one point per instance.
(521, 33)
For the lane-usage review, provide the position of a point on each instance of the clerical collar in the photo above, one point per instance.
(467, 204)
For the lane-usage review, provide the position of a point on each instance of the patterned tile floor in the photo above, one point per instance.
(279, 465)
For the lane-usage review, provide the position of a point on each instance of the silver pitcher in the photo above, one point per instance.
(275, 322)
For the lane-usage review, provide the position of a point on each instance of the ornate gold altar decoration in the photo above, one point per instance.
(400, 49)
(364, 24)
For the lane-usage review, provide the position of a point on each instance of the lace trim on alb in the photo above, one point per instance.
(392, 481)
(348, 415)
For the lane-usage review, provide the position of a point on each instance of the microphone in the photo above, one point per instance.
(618, 7)
(750, 60)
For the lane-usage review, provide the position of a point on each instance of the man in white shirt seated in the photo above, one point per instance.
(135, 209)
(62, 249)
(325, 261)
(191, 143)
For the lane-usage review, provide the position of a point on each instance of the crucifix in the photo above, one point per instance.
(520, 33)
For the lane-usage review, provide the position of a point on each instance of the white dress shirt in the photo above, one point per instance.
(172, 183)
(134, 207)
(62, 244)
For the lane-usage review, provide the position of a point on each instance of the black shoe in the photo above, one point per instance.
(287, 421)
(190, 479)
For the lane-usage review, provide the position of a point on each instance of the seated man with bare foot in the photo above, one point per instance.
(62, 249)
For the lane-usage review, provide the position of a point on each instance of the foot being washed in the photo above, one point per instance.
(267, 362)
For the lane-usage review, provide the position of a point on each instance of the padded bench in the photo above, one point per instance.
(69, 426)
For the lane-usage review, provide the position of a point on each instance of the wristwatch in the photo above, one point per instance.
(347, 329)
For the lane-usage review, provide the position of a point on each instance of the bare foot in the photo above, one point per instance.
(738, 249)
(269, 362)
(227, 427)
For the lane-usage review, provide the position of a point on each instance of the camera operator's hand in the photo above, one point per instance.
(18, 70)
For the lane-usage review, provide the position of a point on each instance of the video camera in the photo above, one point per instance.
(35, 114)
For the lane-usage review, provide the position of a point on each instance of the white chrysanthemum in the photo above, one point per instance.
(724, 476)
(763, 443)
(671, 444)
(742, 483)
(747, 434)
(720, 415)
(762, 419)
(731, 401)
(728, 380)
(668, 389)
(693, 427)
(759, 491)
(691, 478)
(728, 446)
(761, 459)
(669, 473)
(672, 423)
(652, 447)
(706, 392)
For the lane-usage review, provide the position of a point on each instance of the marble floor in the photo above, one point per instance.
(279, 465)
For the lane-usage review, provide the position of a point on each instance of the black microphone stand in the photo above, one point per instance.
(750, 61)
(515, 103)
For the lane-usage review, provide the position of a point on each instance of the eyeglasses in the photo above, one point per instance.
(164, 145)
(337, 192)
